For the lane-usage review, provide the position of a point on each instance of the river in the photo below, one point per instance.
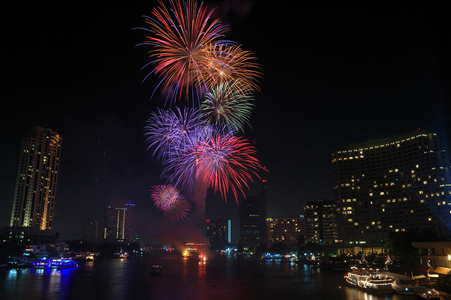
(219, 277)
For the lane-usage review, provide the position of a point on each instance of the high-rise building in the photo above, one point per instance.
(285, 230)
(392, 185)
(91, 231)
(118, 223)
(35, 193)
(320, 221)
(217, 232)
(253, 220)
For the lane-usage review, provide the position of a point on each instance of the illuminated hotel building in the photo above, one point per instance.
(35, 193)
(320, 222)
(392, 185)
(285, 230)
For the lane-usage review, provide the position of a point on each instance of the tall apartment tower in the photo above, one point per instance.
(392, 185)
(35, 193)
(320, 221)
(118, 223)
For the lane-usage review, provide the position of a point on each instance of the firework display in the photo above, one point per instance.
(169, 200)
(231, 62)
(198, 146)
(229, 103)
(168, 131)
(181, 39)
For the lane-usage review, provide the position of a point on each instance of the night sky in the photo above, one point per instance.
(334, 74)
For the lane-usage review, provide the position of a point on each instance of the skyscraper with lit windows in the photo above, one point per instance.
(284, 230)
(35, 192)
(320, 221)
(118, 223)
(392, 185)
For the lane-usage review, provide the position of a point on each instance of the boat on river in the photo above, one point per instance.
(40, 264)
(370, 281)
(63, 263)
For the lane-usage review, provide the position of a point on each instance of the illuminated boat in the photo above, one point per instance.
(370, 281)
(377, 282)
(62, 263)
(40, 264)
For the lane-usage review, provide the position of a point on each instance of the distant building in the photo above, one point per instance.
(253, 220)
(217, 232)
(391, 185)
(118, 223)
(285, 230)
(35, 192)
(320, 222)
(92, 231)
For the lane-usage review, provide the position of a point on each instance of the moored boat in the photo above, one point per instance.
(377, 283)
(370, 281)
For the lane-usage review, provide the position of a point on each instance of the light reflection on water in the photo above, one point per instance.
(219, 277)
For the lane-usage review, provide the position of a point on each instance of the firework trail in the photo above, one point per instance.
(168, 199)
(182, 37)
(230, 104)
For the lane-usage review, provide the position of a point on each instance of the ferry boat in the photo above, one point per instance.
(62, 263)
(370, 281)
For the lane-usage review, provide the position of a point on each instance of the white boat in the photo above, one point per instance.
(354, 278)
(402, 284)
(370, 281)
(378, 283)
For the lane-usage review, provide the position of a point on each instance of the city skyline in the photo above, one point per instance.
(353, 78)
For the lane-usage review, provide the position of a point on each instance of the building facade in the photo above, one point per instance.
(285, 230)
(392, 185)
(217, 232)
(118, 223)
(35, 192)
(253, 220)
(320, 222)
